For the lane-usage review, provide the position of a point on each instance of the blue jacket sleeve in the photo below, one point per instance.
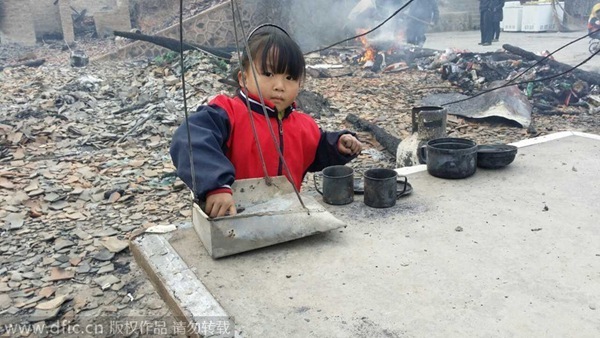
(209, 131)
(327, 151)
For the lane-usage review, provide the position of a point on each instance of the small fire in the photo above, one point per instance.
(369, 55)
(370, 52)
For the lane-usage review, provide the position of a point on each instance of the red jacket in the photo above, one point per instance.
(224, 146)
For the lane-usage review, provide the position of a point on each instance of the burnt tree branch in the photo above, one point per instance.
(173, 44)
(589, 77)
(388, 141)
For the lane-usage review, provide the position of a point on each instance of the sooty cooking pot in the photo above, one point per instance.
(494, 156)
(450, 157)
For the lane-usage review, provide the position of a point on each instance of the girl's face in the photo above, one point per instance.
(279, 89)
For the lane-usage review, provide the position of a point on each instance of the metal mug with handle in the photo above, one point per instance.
(381, 188)
(338, 185)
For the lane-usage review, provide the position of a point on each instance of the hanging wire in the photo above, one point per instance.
(236, 12)
(511, 83)
(365, 33)
(185, 109)
(548, 56)
(255, 134)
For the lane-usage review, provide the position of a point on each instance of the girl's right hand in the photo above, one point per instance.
(218, 205)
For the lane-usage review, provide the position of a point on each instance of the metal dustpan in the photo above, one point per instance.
(270, 215)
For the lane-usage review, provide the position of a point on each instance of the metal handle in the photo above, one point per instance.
(423, 153)
(398, 195)
(315, 182)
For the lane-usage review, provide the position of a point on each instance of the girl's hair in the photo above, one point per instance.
(271, 46)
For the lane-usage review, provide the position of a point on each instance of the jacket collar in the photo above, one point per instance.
(257, 107)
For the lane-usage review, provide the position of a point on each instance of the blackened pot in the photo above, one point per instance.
(494, 156)
(450, 157)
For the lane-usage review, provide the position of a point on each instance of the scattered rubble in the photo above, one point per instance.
(85, 163)
(385, 99)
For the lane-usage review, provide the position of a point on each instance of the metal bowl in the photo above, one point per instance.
(494, 156)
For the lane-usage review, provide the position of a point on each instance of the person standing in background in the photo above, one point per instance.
(485, 22)
(421, 14)
(594, 22)
(497, 17)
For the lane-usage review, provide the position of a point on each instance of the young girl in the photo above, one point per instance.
(222, 137)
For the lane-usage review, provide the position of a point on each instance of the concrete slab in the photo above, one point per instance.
(189, 301)
(511, 252)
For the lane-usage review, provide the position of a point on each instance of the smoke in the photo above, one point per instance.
(317, 23)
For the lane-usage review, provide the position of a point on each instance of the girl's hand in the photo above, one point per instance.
(218, 205)
(349, 145)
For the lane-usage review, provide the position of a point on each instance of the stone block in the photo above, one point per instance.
(46, 19)
(16, 25)
(66, 21)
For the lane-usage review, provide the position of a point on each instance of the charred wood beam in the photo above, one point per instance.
(173, 44)
(388, 141)
(589, 77)
(32, 63)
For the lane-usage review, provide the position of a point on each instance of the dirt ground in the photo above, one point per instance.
(83, 170)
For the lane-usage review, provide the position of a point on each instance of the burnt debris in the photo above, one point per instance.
(538, 77)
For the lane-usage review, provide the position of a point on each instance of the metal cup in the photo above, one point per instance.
(338, 185)
(381, 188)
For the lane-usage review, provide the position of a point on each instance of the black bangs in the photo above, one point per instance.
(277, 52)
